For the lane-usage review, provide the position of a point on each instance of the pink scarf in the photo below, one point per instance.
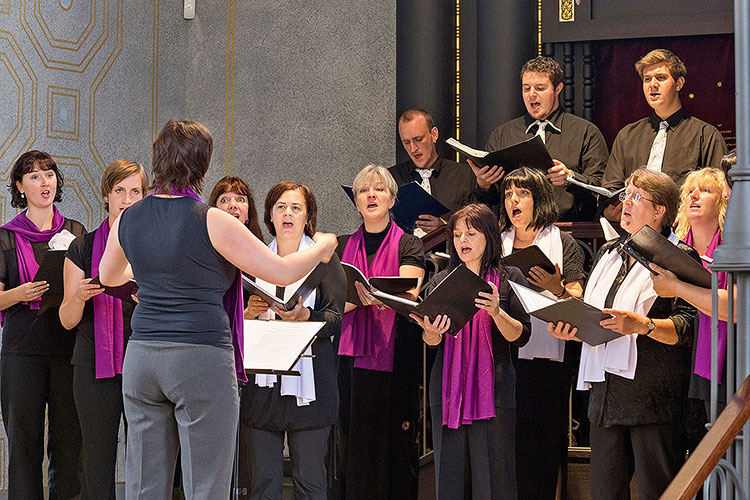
(469, 370)
(367, 333)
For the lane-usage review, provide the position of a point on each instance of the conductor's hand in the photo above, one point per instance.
(31, 290)
(255, 307)
(558, 175)
(486, 176)
(625, 322)
(429, 223)
(665, 284)
(563, 331)
(299, 313)
(365, 296)
(541, 278)
(433, 330)
(328, 243)
(86, 290)
(613, 212)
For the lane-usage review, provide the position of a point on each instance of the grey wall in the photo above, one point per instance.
(290, 90)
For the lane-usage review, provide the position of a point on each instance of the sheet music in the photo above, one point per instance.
(276, 346)
(597, 189)
(530, 300)
(610, 233)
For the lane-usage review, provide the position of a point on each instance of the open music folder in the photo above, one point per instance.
(530, 153)
(647, 245)
(579, 314)
(311, 283)
(454, 297)
(392, 285)
(274, 347)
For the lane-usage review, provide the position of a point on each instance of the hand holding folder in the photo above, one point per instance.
(51, 271)
(392, 285)
(529, 153)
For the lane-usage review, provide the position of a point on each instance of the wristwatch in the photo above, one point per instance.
(651, 326)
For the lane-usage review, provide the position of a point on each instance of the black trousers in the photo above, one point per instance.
(542, 392)
(654, 453)
(265, 460)
(378, 416)
(99, 404)
(476, 461)
(28, 385)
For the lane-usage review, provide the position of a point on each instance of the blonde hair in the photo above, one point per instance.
(372, 173)
(662, 56)
(705, 177)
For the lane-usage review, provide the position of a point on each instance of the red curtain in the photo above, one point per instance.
(708, 93)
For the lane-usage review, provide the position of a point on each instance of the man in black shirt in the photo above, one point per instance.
(452, 184)
(576, 144)
(670, 140)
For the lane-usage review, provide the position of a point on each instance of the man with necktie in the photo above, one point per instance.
(576, 145)
(670, 140)
(450, 183)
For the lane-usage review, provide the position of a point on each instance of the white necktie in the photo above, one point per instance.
(425, 173)
(656, 156)
(540, 129)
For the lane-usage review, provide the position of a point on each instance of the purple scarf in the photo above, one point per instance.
(109, 333)
(232, 301)
(26, 234)
(703, 344)
(469, 370)
(368, 333)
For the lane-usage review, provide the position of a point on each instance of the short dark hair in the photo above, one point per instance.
(481, 218)
(662, 56)
(662, 190)
(275, 193)
(545, 207)
(25, 164)
(546, 66)
(181, 155)
(236, 185)
(412, 113)
(727, 162)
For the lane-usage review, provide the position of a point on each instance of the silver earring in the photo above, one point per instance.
(23, 196)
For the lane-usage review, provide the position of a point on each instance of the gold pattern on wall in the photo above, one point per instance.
(75, 51)
(229, 137)
(19, 132)
(566, 11)
(539, 28)
(85, 187)
(155, 75)
(63, 113)
(98, 81)
(63, 2)
(4, 6)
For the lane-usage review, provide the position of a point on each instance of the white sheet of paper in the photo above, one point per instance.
(530, 300)
(478, 153)
(609, 231)
(272, 346)
(597, 189)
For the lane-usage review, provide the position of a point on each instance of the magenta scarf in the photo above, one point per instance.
(232, 301)
(469, 370)
(368, 333)
(26, 234)
(109, 333)
(703, 344)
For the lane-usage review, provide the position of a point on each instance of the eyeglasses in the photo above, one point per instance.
(634, 197)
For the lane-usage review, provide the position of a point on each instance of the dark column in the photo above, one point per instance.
(569, 91)
(588, 82)
(506, 38)
(425, 63)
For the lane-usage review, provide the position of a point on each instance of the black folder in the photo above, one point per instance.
(527, 258)
(411, 202)
(454, 297)
(307, 286)
(123, 292)
(51, 271)
(579, 314)
(647, 245)
(392, 285)
(529, 153)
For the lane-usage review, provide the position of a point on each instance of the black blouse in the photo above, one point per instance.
(26, 332)
(79, 253)
(265, 407)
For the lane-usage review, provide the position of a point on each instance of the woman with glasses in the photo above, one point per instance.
(638, 382)
(545, 365)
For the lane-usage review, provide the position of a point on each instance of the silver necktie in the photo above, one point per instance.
(540, 130)
(425, 173)
(656, 156)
